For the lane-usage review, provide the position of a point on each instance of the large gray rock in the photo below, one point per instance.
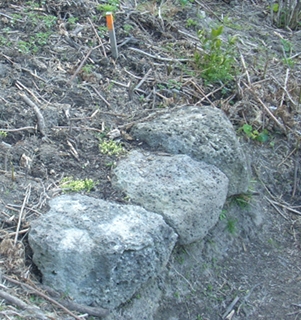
(189, 194)
(205, 134)
(99, 252)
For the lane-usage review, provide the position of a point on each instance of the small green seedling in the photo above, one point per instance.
(223, 215)
(3, 134)
(254, 134)
(231, 225)
(242, 200)
(191, 23)
(68, 184)
(88, 68)
(110, 147)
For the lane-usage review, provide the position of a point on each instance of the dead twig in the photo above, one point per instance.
(98, 37)
(11, 234)
(285, 207)
(143, 79)
(19, 129)
(271, 114)
(25, 200)
(82, 63)
(245, 68)
(177, 272)
(101, 97)
(230, 307)
(205, 97)
(75, 128)
(73, 150)
(21, 86)
(40, 118)
(281, 163)
(158, 57)
(295, 176)
(274, 203)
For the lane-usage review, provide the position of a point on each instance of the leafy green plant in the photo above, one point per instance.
(217, 62)
(254, 134)
(69, 184)
(109, 6)
(110, 147)
(49, 21)
(41, 38)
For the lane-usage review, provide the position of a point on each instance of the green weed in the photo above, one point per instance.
(110, 147)
(191, 23)
(217, 62)
(68, 184)
(127, 28)
(102, 31)
(72, 20)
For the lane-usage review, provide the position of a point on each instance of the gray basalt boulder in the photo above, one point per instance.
(189, 194)
(97, 251)
(205, 134)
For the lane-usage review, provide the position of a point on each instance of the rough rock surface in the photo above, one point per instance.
(189, 194)
(99, 252)
(205, 134)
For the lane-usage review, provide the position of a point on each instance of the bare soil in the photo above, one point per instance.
(62, 92)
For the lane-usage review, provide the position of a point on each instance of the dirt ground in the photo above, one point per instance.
(62, 94)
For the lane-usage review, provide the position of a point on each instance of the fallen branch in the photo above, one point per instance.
(41, 294)
(92, 311)
(34, 311)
